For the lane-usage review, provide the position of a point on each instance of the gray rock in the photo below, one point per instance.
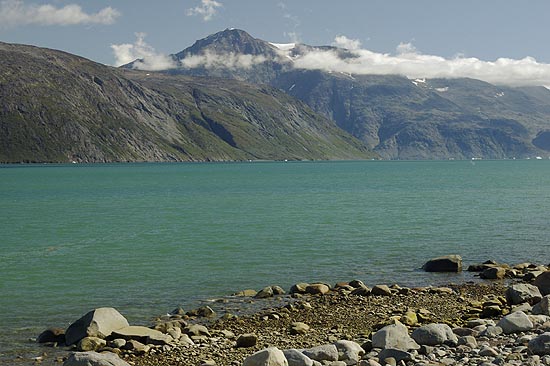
(264, 293)
(469, 341)
(540, 345)
(543, 283)
(491, 331)
(327, 352)
(317, 289)
(522, 292)
(397, 354)
(271, 356)
(278, 290)
(543, 306)
(117, 343)
(94, 359)
(381, 290)
(297, 358)
(196, 330)
(493, 273)
(91, 344)
(394, 336)
(247, 340)
(349, 351)
(99, 323)
(488, 351)
(143, 334)
(299, 288)
(515, 323)
(52, 335)
(448, 263)
(246, 293)
(434, 334)
(136, 346)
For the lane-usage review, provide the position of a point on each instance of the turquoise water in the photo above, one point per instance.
(145, 238)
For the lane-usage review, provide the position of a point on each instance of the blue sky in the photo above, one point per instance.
(479, 31)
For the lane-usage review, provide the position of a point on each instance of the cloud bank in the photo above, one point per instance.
(15, 13)
(207, 9)
(146, 56)
(408, 61)
(210, 60)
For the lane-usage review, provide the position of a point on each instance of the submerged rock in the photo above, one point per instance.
(448, 263)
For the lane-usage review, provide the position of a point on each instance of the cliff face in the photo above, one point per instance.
(57, 107)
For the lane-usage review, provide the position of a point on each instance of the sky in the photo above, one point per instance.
(500, 41)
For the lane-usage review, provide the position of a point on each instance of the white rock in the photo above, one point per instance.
(349, 351)
(394, 336)
(98, 323)
(271, 356)
(94, 359)
(515, 323)
(434, 334)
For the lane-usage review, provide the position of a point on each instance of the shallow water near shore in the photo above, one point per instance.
(145, 238)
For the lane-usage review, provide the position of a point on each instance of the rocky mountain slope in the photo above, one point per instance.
(57, 107)
(397, 117)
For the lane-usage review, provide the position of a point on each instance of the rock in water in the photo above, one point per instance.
(434, 334)
(52, 335)
(94, 359)
(448, 263)
(268, 357)
(98, 323)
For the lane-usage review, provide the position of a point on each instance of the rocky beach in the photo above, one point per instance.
(501, 321)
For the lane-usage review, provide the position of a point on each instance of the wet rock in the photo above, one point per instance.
(99, 323)
(264, 293)
(493, 273)
(297, 358)
(52, 335)
(247, 340)
(448, 263)
(203, 311)
(327, 352)
(394, 336)
(299, 288)
(515, 323)
(434, 334)
(94, 359)
(246, 293)
(523, 292)
(268, 357)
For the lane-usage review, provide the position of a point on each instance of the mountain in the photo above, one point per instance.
(57, 107)
(397, 117)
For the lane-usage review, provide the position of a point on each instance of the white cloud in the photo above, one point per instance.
(408, 61)
(207, 9)
(16, 13)
(230, 60)
(345, 42)
(146, 56)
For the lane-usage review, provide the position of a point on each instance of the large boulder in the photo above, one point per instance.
(297, 358)
(519, 293)
(268, 357)
(94, 359)
(143, 334)
(516, 322)
(434, 334)
(327, 352)
(543, 282)
(540, 345)
(448, 263)
(395, 336)
(98, 323)
(542, 307)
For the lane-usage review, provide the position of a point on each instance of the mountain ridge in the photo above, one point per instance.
(58, 107)
(397, 117)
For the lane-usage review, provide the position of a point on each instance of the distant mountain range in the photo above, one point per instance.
(396, 117)
(234, 97)
(57, 107)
